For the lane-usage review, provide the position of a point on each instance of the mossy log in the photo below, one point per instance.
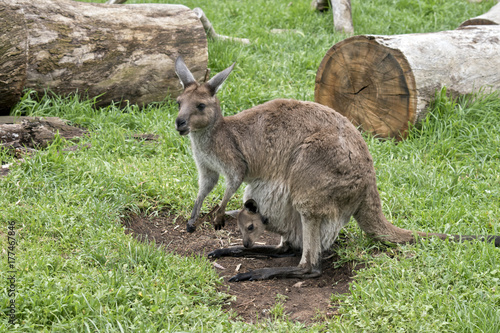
(122, 52)
(385, 83)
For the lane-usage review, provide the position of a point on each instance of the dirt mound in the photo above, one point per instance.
(306, 301)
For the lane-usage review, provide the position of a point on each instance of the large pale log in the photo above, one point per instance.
(126, 52)
(490, 17)
(385, 83)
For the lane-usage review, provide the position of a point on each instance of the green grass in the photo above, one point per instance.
(78, 271)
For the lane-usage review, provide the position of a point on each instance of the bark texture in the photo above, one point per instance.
(122, 52)
(490, 17)
(385, 83)
(34, 132)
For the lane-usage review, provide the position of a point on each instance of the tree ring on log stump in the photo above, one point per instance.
(373, 86)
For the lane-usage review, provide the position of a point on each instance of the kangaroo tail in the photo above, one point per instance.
(371, 220)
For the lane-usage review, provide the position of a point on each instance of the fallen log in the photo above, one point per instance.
(34, 132)
(490, 17)
(22, 136)
(385, 83)
(122, 52)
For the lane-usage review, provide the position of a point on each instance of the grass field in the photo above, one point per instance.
(76, 270)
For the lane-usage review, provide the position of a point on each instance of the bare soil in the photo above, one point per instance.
(306, 301)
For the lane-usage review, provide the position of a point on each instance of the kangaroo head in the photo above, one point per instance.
(198, 106)
(251, 223)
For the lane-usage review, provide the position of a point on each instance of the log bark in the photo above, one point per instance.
(35, 132)
(490, 17)
(385, 83)
(122, 52)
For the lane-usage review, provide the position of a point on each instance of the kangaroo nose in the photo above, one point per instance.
(181, 125)
(180, 122)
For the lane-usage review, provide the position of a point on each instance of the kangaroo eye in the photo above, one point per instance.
(250, 227)
(178, 104)
(201, 107)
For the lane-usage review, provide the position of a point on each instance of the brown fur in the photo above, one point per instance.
(302, 157)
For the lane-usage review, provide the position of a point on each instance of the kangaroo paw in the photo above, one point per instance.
(191, 226)
(219, 222)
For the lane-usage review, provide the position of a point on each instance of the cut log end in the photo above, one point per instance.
(371, 85)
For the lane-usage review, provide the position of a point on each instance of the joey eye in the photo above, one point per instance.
(178, 104)
(250, 227)
(201, 107)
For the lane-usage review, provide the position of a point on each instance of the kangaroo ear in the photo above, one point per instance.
(215, 83)
(183, 73)
(251, 206)
(233, 213)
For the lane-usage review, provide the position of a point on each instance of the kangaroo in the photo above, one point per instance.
(309, 168)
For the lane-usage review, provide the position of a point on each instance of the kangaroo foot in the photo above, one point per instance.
(276, 272)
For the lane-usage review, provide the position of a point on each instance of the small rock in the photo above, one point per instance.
(298, 284)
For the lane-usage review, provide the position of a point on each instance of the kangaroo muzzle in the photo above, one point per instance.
(181, 125)
(248, 243)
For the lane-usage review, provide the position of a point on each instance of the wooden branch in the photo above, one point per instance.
(341, 11)
(342, 17)
(490, 17)
(115, 2)
(383, 83)
(209, 29)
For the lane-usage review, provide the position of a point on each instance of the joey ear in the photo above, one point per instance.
(215, 83)
(183, 73)
(251, 206)
(233, 213)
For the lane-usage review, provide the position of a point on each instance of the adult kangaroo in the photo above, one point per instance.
(311, 161)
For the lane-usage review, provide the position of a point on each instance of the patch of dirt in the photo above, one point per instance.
(4, 171)
(306, 300)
